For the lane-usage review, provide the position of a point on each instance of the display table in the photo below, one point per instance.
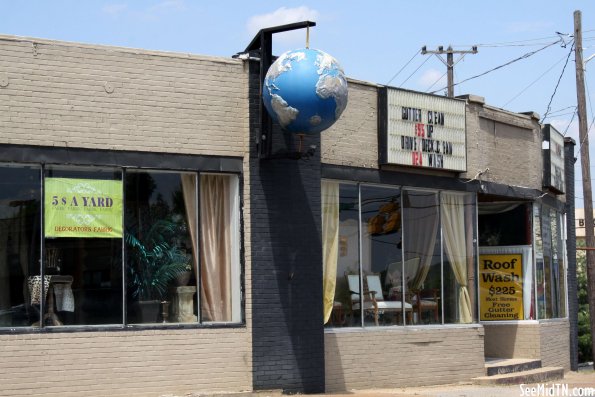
(182, 304)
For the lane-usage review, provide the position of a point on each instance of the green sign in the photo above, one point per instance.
(89, 208)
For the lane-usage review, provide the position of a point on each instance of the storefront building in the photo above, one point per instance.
(418, 236)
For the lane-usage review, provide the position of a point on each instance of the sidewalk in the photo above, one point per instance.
(583, 379)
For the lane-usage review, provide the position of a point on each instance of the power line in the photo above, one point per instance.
(534, 81)
(511, 43)
(558, 83)
(434, 83)
(400, 70)
(573, 116)
(527, 55)
(415, 71)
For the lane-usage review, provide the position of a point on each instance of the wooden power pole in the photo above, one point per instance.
(450, 64)
(585, 169)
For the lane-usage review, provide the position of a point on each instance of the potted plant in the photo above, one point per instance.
(154, 261)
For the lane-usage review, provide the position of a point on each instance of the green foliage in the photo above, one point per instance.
(155, 260)
(584, 328)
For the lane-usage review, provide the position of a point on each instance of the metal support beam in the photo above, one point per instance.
(262, 44)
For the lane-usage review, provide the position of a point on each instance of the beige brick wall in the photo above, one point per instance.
(133, 363)
(546, 340)
(60, 94)
(402, 356)
(353, 139)
(521, 340)
(555, 343)
(508, 144)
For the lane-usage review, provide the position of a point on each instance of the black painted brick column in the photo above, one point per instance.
(287, 328)
(569, 161)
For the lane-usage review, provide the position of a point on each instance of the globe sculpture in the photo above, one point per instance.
(305, 91)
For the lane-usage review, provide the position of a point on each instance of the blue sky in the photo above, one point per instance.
(373, 40)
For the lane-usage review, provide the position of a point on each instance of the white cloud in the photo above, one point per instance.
(283, 16)
(432, 79)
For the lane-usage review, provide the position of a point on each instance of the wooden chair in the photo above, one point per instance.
(387, 306)
(369, 300)
(427, 301)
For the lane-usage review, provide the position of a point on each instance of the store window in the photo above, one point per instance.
(522, 264)
(20, 252)
(387, 259)
(550, 264)
(119, 247)
(83, 246)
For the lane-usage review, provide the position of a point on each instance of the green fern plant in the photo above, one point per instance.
(154, 260)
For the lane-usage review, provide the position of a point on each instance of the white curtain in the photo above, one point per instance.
(330, 243)
(455, 240)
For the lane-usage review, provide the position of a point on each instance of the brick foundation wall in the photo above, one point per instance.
(548, 340)
(555, 343)
(400, 357)
(125, 363)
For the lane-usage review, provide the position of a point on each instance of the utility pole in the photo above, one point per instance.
(450, 64)
(585, 168)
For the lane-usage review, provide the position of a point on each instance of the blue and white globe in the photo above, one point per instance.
(305, 91)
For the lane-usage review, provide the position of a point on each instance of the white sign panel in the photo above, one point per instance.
(554, 157)
(425, 131)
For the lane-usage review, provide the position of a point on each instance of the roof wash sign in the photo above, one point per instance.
(88, 208)
(501, 287)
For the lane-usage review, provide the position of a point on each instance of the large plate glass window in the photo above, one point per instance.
(161, 247)
(20, 252)
(83, 246)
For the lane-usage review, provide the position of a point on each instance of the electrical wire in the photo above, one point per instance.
(434, 83)
(512, 43)
(571, 120)
(534, 81)
(558, 83)
(400, 70)
(524, 56)
(415, 71)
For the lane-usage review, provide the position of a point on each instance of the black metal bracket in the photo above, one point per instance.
(263, 43)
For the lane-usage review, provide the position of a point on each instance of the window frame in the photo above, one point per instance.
(402, 189)
(42, 158)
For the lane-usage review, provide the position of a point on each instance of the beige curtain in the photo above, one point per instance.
(420, 225)
(330, 244)
(455, 240)
(215, 247)
(189, 193)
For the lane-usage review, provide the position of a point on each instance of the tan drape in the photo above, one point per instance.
(189, 192)
(215, 247)
(455, 240)
(330, 243)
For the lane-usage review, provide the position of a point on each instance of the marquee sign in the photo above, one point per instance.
(88, 208)
(422, 130)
